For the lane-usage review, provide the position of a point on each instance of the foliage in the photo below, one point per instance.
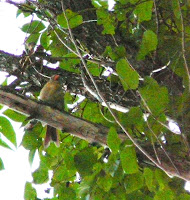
(151, 34)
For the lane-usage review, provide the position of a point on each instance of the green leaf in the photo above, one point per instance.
(144, 11)
(107, 20)
(74, 19)
(133, 118)
(7, 129)
(149, 179)
(156, 97)
(69, 63)
(33, 38)
(129, 159)
(84, 161)
(45, 40)
(33, 27)
(61, 174)
(40, 175)
(118, 177)
(29, 192)
(166, 194)
(69, 160)
(113, 140)
(105, 182)
(15, 116)
(31, 139)
(4, 144)
(56, 47)
(91, 112)
(161, 178)
(133, 182)
(184, 197)
(149, 43)
(31, 156)
(100, 3)
(129, 77)
(1, 165)
(128, 1)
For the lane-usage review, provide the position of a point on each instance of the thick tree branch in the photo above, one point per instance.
(83, 129)
(60, 120)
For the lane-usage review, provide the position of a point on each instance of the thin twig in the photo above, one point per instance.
(183, 44)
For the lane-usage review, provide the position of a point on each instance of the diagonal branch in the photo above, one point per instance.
(84, 129)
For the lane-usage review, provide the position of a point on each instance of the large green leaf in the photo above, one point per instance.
(129, 159)
(15, 116)
(129, 77)
(144, 11)
(156, 97)
(29, 192)
(33, 27)
(31, 139)
(7, 129)
(74, 19)
(149, 43)
(113, 140)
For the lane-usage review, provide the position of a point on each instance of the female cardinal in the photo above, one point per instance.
(52, 93)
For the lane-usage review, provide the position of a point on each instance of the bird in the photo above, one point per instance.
(52, 93)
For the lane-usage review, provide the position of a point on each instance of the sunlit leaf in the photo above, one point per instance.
(113, 140)
(29, 192)
(74, 19)
(45, 40)
(15, 116)
(33, 27)
(149, 43)
(31, 156)
(129, 159)
(4, 144)
(144, 11)
(156, 97)
(31, 139)
(128, 76)
(7, 129)
(106, 20)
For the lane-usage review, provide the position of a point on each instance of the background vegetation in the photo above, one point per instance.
(143, 46)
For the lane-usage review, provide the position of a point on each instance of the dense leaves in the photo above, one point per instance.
(143, 46)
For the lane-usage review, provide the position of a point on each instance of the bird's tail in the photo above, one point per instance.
(51, 135)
